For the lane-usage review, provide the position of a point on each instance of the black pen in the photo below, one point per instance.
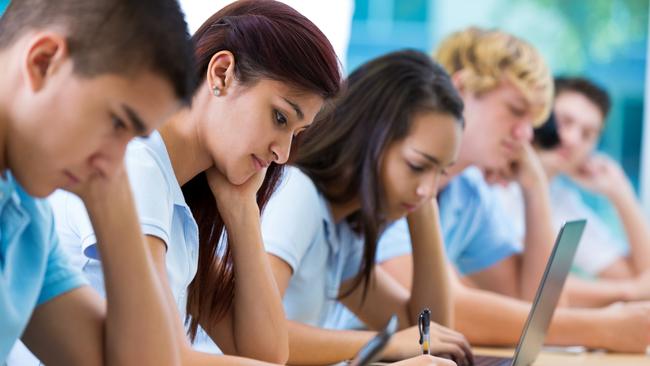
(424, 324)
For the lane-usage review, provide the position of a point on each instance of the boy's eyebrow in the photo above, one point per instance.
(136, 121)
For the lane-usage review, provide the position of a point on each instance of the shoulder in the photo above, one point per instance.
(295, 190)
(149, 168)
(468, 188)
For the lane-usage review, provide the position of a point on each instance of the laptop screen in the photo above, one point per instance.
(548, 293)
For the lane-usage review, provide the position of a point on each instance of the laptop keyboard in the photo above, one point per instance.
(491, 361)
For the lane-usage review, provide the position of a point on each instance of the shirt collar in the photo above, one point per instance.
(156, 142)
(8, 190)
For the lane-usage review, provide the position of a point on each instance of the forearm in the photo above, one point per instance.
(583, 293)
(489, 319)
(138, 328)
(636, 228)
(259, 332)
(194, 358)
(316, 346)
(431, 287)
(538, 240)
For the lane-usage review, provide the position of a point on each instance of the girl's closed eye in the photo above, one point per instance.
(279, 118)
(415, 168)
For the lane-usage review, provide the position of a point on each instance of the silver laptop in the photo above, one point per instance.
(548, 294)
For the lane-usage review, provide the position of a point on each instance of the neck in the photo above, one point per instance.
(185, 148)
(7, 80)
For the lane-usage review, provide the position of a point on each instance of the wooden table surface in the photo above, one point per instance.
(555, 358)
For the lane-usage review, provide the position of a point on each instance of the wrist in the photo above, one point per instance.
(628, 291)
(392, 352)
(109, 205)
(537, 183)
(239, 213)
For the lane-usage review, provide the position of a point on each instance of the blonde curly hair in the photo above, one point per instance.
(488, 57)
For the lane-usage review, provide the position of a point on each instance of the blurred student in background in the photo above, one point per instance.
(621, 271)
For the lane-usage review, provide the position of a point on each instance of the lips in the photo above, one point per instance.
(71, 177)
(409, 207)
(565, 153)
(260, 164)
(510, 147)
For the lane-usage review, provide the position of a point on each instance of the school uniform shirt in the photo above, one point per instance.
(33, 267)
(298, 227)
(599, 247)
(475, 232)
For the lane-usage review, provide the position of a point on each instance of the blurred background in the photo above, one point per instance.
(605, 40)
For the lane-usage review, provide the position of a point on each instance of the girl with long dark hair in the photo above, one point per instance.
(375, 156)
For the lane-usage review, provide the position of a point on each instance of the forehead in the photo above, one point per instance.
(285, 89)
(150, 96)
(579, 108)
(435, 134)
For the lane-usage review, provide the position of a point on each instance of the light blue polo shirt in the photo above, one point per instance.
(474, 225)
(33, 267)
(298, 227)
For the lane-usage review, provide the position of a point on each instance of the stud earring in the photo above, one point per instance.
(216, 91)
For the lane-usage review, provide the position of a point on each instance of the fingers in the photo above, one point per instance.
(452, 351)
(450, 336)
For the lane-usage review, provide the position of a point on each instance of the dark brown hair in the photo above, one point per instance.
(112, 36)
(589, 89)
(342, 152)
(270, 40)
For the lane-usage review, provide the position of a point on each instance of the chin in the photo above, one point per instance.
(39, 191)
(240, 179)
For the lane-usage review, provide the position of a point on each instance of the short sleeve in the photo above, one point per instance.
(395, 241)
(291, 219)
(599, 247)
(60, 275)
(152, 197)
(492, 238)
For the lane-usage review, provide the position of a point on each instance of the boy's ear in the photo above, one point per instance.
(458, 79)
(46, 53)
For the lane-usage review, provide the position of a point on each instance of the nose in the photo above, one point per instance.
(108, 158)
(428, 186)
(523, 131)
(281, 149)
(569, 136)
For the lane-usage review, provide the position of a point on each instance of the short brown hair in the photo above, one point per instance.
(112, 36)
(589, 89)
